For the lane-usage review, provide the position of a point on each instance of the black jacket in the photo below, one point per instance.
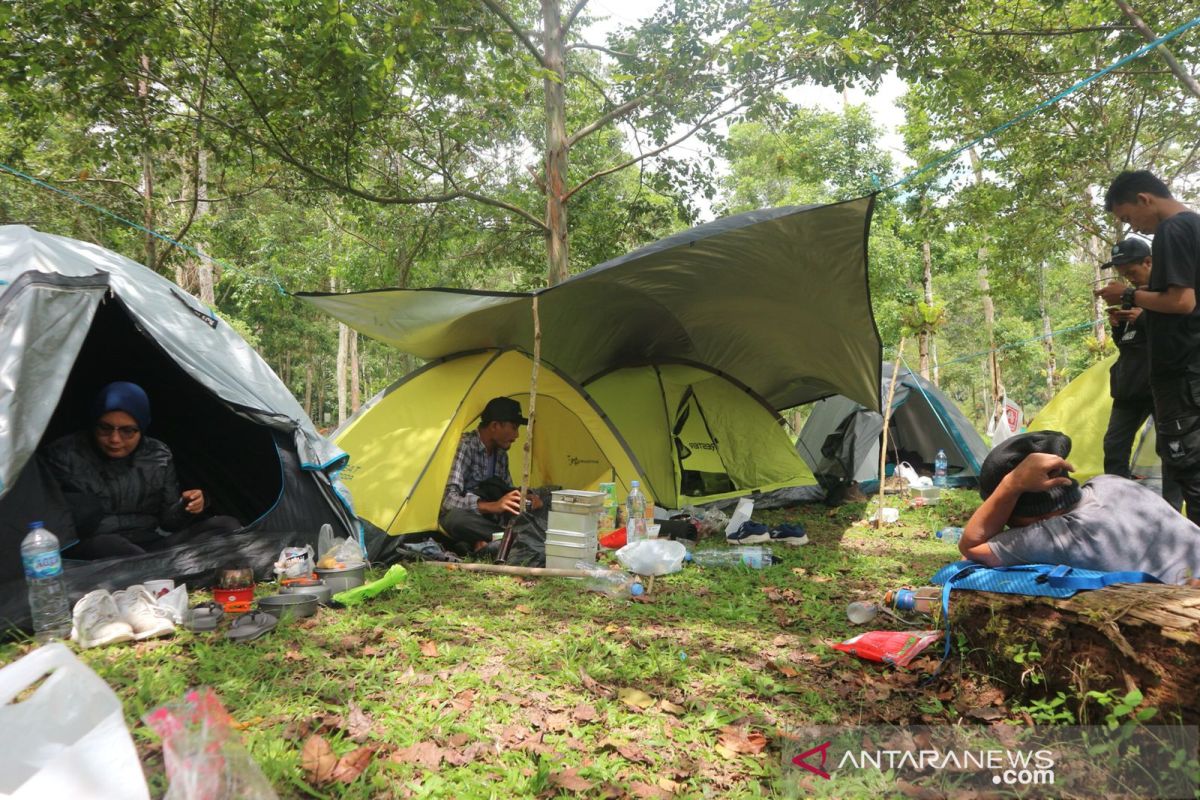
(1129, 378)
(132, 496)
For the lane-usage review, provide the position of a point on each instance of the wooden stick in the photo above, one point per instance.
(507, 543)
(504, 569)
(887, 417)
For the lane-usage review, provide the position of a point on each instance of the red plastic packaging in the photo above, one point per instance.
(614, 540)
(889, 647)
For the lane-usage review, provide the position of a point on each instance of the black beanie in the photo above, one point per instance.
(1005, 457)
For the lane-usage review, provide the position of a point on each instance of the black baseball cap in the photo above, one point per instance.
(502, 409)
(1127, 252)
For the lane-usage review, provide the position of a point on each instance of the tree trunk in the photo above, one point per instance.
(143, 93)
(355, 386)
(205, 276)
(320, 419)
(989, 309)
(1047, 330)
(308, 387)
(926, 336)
(556, 142)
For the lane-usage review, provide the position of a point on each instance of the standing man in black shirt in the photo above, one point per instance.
(1129, 378)
(1144, 202)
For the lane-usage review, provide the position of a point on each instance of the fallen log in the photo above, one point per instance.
(1144, 636)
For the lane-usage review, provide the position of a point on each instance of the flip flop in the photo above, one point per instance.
(251, 626)
(204, 617)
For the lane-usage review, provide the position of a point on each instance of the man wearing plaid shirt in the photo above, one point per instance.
(482, 456)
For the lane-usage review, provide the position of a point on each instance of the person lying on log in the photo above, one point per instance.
(479, 490)
(1033, 512)
(120, 484)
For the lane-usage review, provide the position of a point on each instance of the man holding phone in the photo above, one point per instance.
(1172, 319)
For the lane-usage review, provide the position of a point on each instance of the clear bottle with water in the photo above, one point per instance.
(950, 535)
(753, 556)
(47, 590)
(612, 582)
(940, 465)
(635, 514)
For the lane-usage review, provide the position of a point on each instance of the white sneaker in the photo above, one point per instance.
(143, 613)
(96, 621)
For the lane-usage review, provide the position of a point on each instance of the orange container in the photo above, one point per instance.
(239, 599)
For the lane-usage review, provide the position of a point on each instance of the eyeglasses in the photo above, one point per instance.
(126, 431)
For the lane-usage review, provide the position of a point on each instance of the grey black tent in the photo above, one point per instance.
(73, 317)
(840, 441)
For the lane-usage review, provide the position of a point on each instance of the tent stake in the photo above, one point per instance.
(887, 418)
(507, 542)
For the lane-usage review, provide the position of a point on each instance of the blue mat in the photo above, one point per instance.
(1038, 580)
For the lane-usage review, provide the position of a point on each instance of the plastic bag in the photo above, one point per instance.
(652, 557)
(338, 553)
(295, 562)
(203, 756)
(741, 515)
(889, 647)
(68, 738)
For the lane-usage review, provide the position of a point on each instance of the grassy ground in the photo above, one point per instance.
(466, 685)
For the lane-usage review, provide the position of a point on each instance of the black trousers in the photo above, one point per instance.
(110, 545)
(1177, 421)
(469, 527)
(1126, 420)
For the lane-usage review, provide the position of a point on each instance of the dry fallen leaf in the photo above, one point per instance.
(318, 761)
(734, 741)
(351, 765)
(358, 725)
(426, 754)
(557, 722)
(635, 698)
(670, 708)
(584, 713)
(522, 609)
(429, 649)
(569, 779)
(464, 700)
(629, 752)
(669, 785)
(646, 791)
(594, 686)
(458, 739)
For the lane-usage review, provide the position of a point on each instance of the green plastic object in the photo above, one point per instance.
(395, 576)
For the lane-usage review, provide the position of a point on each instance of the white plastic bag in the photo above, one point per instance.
(905, 470)
(68, 738)
(741, 514)
(1006, 422)
(652, 556)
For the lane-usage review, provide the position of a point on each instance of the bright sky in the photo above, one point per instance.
(882, 104)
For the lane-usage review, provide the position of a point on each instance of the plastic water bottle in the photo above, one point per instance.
(860, 612)
(939, 468)
(923, 599)
(753, 556)
(612, 582)
(47, 590)
(635, 514)
(950, 535)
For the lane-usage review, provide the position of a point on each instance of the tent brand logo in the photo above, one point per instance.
(575, 461)
(703, 446)
(801, 760)
(207, 319)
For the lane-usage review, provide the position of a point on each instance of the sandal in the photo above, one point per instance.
(251, 626)
(204, 617)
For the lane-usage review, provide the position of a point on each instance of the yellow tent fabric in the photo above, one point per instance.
(402, 444)
(1081, 411)
(697, 435)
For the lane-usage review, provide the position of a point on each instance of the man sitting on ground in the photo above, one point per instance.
(1111, 524)
(121, 485)
(480, 466)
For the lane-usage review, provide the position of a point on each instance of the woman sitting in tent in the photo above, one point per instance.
(120, 484)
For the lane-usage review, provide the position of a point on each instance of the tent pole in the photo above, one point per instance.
(887, 418)
(507, 543)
